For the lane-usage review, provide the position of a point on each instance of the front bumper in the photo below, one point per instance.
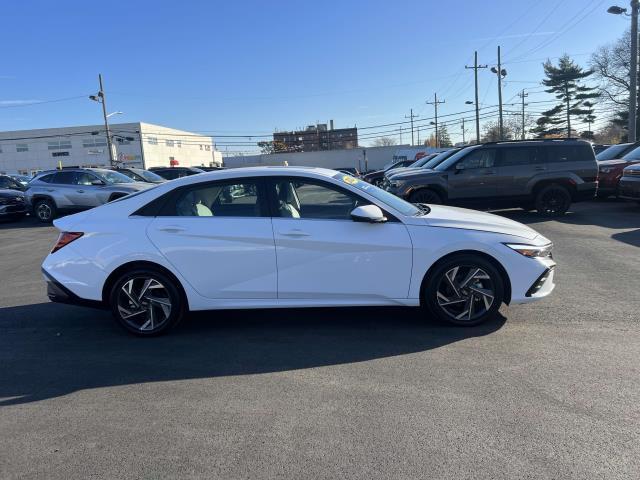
(629, 187)
(13, 210)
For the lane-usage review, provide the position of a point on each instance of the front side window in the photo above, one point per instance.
(231, 199)
(481, 158)
(301, 198)
(85, 178)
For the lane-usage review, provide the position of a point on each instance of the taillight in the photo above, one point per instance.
(65, 239)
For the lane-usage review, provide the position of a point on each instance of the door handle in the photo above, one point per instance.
(80, 191)
(540, 169)
(295, 233)
(171, 229)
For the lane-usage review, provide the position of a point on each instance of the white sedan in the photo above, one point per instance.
(290, 237)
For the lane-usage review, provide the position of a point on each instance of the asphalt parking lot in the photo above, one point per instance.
(551, 390)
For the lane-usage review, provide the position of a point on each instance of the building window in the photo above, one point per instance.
(0, 148)
(22, 147)
(201, 147)
(94, 142)
(179, 143)
(168, 143)
(59, 145)
(59, 154)
(153, 140)
(207, 148)
(123, 141)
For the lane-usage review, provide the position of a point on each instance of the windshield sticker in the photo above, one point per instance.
(348, 179)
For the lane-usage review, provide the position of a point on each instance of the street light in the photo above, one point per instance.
(633, 71)
(468, 102)
(100, 98)
(115, 113)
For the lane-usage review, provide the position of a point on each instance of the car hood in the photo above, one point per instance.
(462, 218)
(132, 187)
(634, 167)
(7, 192)
(414, 172)
(614, 162)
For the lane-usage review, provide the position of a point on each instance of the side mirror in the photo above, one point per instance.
(368, 213)
(97, 183)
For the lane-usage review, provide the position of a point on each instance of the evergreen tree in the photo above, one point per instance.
(565, 83)
(443, 136)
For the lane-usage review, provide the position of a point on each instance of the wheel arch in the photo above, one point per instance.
(42, 196)
(503, 273)
(434, 188)
(113, 276)
(568, 183)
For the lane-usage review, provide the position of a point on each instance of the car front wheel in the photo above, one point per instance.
(146, 302)
(464, 290)
(425, 195)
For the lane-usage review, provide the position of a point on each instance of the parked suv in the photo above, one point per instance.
(543, 174)
(630, 183)
(377, 176)
(610, 171)
(71, 190)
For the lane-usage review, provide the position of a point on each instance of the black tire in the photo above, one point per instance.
(553, 200)
(484, 295)
(45, 210)
(425, 195)
(146, 310)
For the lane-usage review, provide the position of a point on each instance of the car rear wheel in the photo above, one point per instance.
(464, 290)
(45, 210)
(553, 200)
(425, 195)
(146, 302)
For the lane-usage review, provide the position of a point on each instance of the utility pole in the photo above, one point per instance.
(106, 121)
(435, 104)
(463, 140)
(566, 94)
(475, 74)
(522, 95)
(400, 134)
(501, 72)
(412, 116)
(633, 95)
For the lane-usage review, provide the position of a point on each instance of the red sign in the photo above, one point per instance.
(173, 162)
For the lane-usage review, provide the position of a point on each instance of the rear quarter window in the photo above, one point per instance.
(570, 153)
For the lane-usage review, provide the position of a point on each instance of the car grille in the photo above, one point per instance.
(11, 201)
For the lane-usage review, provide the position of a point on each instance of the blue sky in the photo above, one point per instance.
(248, 67)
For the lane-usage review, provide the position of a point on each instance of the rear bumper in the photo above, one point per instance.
(585, 191)
(60, 294)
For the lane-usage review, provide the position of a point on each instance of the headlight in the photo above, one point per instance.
(532, 251)
(395, 184)
(606, 170)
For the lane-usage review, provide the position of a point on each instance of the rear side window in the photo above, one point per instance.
(511, 157)
(567, 153)
(64, 178)
(46, 178)
(221, 199)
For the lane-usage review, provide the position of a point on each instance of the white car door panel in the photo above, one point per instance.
(342, 259)
(220, 257)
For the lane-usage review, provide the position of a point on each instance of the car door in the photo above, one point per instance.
(324, 255)
(86, 193)
(63, 188)
(474, 176)
(516, 165)
(218, 235)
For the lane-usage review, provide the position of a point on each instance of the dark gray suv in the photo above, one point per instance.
(543, 174)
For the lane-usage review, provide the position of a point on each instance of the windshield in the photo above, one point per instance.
(148, 176)
(421, 162)
(441, 157)
(612, 152)
(453, 159)
(633, 154)
(405, 208)
(111, 177)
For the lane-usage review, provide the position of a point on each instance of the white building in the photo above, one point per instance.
(135, 144)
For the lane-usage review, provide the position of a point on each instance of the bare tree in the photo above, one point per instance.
(384, 142)
(611, 66)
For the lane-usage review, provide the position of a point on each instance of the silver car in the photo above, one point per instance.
(74, 189)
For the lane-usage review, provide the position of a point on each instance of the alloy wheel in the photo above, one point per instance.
(465, 293)
(553, 202)
(144, 304)
(44, 211)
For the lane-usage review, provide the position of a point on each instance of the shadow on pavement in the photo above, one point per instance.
(26, 222)
(49, 350)
(604, 213)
